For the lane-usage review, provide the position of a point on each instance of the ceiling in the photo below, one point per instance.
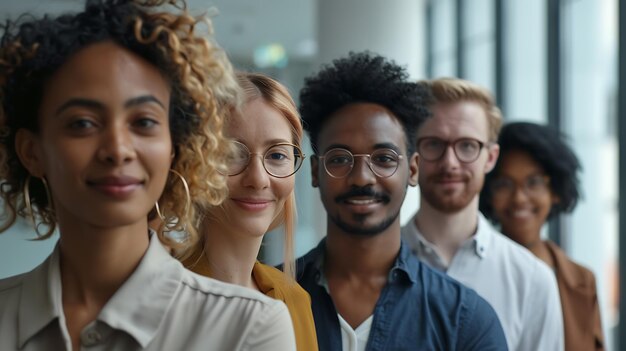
(240, 25)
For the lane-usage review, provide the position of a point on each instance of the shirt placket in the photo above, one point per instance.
(380, 330)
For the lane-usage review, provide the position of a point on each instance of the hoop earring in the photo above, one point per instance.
(27, 202)
(170, 226)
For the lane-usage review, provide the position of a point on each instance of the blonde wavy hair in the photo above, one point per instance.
(449, 90)
(203, 88)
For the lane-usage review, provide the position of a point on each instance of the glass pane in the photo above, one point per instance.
(444, 38)
(590, 88)
(525, 60)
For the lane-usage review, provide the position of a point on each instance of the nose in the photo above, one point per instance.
(449, 158)
(361, 174)
(117, 145)
(254, 175)
(519, 194)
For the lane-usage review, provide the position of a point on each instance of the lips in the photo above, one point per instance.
(252, 204)
(362, 200)
(367, 201)
(520, 213)
(116, 186)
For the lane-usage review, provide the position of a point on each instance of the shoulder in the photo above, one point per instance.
(285, 288)
(12, 283)
(442, 288)
(519, 260)
(10, 288)
(451, 297)
(240, 318)
(205, 288)
(571, 273)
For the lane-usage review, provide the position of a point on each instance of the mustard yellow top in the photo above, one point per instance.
(275, 284)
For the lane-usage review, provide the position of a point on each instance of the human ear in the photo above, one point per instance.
(28, 150)
(314, 170)
(493, 152)
(414, 169)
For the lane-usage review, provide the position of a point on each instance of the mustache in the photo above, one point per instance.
(448, 175)
(362, 191)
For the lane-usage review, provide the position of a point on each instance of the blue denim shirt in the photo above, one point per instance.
(418, 309)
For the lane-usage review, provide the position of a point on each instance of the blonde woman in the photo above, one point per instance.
(266, 134)
(102, 117)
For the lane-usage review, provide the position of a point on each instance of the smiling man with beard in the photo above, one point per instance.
(367, 290)
(457, 147)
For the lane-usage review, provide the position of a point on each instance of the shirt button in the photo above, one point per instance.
(91, 337)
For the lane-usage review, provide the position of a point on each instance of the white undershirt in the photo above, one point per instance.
(355, 339)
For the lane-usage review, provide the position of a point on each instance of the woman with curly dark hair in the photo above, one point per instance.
(536, 178)
(103, 116)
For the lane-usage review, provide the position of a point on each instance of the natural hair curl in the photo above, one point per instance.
(363, 77)
(200, 76)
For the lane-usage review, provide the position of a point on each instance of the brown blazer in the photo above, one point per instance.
(579, 300)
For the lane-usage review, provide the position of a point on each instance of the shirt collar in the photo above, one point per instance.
(40, 302)
(143, 301)
(478, 243)
(405, 267)
(137, 307)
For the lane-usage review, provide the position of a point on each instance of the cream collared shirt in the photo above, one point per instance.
(520, 287)
(161, 306)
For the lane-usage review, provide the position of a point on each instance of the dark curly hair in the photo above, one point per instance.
(363, 77)
(201, 79)
(548, 148)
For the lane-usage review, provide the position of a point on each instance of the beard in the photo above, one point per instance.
(364, 231)
(449, 200)
(361, 229)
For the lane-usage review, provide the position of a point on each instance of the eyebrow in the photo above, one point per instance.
(144, 99)
(94, 104)
(377, 146)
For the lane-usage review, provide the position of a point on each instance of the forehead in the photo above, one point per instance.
(450, 121)
(360, 127)
(259, 122)
(107, 73)
(518, 162)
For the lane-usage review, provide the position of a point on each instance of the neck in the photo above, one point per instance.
(231, 256)
(366, 256)
(447, 231)
(95, 262)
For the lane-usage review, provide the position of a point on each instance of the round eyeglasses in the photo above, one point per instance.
(466, 149)
(533, 186)
(338, 162)
(279, 160)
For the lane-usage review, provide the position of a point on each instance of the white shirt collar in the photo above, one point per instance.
(478, 243)
(146, 296)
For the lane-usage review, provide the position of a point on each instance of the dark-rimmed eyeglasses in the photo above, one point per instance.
(466, 149)
(532, 186)
(280, 160)
(339, 162)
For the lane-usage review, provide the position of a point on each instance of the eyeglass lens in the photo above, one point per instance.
(533, 185)
(280, 160)
(382, 162)
(466, 149)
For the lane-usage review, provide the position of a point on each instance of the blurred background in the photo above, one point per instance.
(549, 61)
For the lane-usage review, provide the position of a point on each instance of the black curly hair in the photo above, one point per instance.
(55, 39)
(548, 148)
(363, 77)
(202, 85)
